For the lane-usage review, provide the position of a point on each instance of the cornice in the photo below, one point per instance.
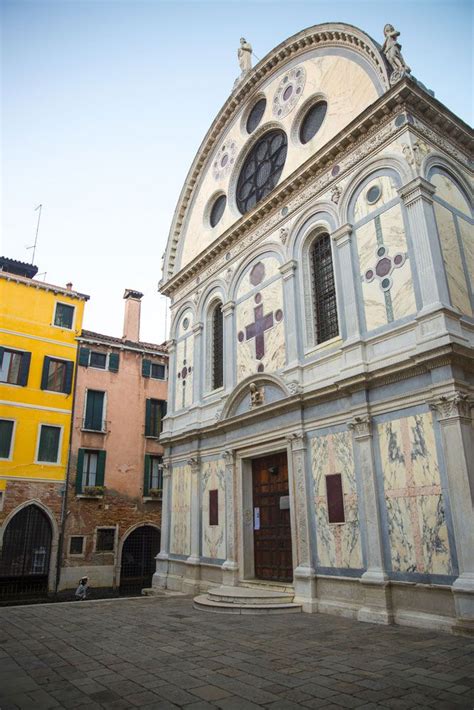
(372, 128)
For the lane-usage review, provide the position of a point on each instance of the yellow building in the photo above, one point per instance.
(38, 350)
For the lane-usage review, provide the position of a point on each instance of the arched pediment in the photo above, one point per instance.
(335, 63)
(256, 391)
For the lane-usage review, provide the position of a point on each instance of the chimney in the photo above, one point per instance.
(69, 286)
(131, 321)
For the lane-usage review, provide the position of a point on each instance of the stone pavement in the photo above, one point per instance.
(161, 653)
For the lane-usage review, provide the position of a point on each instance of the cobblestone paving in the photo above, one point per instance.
(160, 653)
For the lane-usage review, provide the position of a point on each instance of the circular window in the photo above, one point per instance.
(261, 170)
(255, 115)
(312, 121)
(217, 210)
(373, 194)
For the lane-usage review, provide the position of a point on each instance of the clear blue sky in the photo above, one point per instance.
(105, 104)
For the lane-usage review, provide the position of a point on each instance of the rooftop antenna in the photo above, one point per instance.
(40, 207)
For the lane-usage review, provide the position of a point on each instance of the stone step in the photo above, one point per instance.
(272, 586)
(203, 603)
(247, 595)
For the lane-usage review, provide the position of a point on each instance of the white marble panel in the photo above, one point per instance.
(184, 359)
(181, 510)
(213, 536)
(452, 260)
(388, 191)
(448, 191)
(413, 496)
(271, 267)
(185, 324)
(338, 544)
(467, 236)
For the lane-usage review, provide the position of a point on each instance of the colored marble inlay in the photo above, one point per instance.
(213, 536)
(180, 543)
(338, 544)
(257, 330)
(413, 496)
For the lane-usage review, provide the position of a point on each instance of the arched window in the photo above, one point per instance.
(324, 291)
(217, 344)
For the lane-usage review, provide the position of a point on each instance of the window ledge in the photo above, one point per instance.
(151, 436)
(152, 499)
(94, 431)
(90, 495)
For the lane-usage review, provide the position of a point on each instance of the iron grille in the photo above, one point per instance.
(217, 348)
(261, 170)
(324, 291)
(138, 559)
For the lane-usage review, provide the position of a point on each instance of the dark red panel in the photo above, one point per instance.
(214, 507)
(335, 498)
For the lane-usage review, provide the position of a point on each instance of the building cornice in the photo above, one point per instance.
(31, 283)
(371, 129)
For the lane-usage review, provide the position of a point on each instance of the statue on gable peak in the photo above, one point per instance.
(392, 51)
(244, 54)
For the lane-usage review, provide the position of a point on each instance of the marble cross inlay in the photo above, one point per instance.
(257, 330)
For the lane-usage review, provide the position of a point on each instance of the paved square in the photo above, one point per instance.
(161, 653)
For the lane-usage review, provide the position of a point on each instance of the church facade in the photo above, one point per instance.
(319, 266)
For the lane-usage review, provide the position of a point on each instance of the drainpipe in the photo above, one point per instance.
(62, 524)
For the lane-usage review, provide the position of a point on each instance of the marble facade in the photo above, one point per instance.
(386, 400)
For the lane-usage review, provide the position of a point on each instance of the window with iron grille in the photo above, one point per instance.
(324, 291)
(217, 348)
(105, 541)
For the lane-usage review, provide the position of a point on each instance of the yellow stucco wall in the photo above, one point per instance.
(27, 311)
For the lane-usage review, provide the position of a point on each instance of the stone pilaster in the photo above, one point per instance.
(454, 415)
(377, 606)
(417, 197)
(228, 310)
(193, 562)
(160, 577)
(197, 362)
(304, 574)
(171, 345)
(342, 238)
(288, 272)
(230, 568)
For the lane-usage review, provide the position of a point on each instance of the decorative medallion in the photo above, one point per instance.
(384, 267)
(257, 274)
(224, 161)
(289, 91)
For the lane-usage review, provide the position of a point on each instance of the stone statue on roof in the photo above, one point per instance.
(244, 54)
(392, 51)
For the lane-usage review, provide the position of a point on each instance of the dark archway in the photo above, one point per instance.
(26, 554)
(138, 559)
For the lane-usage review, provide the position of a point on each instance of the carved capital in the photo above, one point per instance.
(417, 189)
(198, 328)
(288, 269)
(228, 308)
(166, 469)
(296, 440)
(228, 456)
(194, 463)
(294, 387)
(361, 426)
(342, 235)
(171, 346)
(452, 406)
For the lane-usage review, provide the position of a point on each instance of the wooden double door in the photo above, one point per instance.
(271, 521)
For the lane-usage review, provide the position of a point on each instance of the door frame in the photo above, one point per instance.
(244, 504)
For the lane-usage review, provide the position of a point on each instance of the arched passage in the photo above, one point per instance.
(26, 554)
(138, 559)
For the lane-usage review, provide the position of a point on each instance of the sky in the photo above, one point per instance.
(105, 103)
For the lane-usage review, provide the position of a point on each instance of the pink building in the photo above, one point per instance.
(112, 529)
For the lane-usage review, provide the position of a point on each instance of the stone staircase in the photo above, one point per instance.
(252, 597)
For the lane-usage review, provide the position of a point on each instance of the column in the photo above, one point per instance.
(229, 344)
(454, 415)
(230, 568)
(417, 197)
(292, 333)
(377, 602)
(198, 362)
(342, 238)
(193, 562)
(304, 574)
(160, 577)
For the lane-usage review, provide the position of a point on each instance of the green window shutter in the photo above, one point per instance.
(69, 376)
(94, 410)
(146, 368)
(44, 376)
(114, 362)
(6, 433)
(163, 410)
(2, 349)
(24, 369)
(146, 480)
(80, 466)
(148, 431)
(99, 479)
(84, 357)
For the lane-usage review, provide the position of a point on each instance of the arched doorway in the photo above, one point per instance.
(138, 559)
(26, 554)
